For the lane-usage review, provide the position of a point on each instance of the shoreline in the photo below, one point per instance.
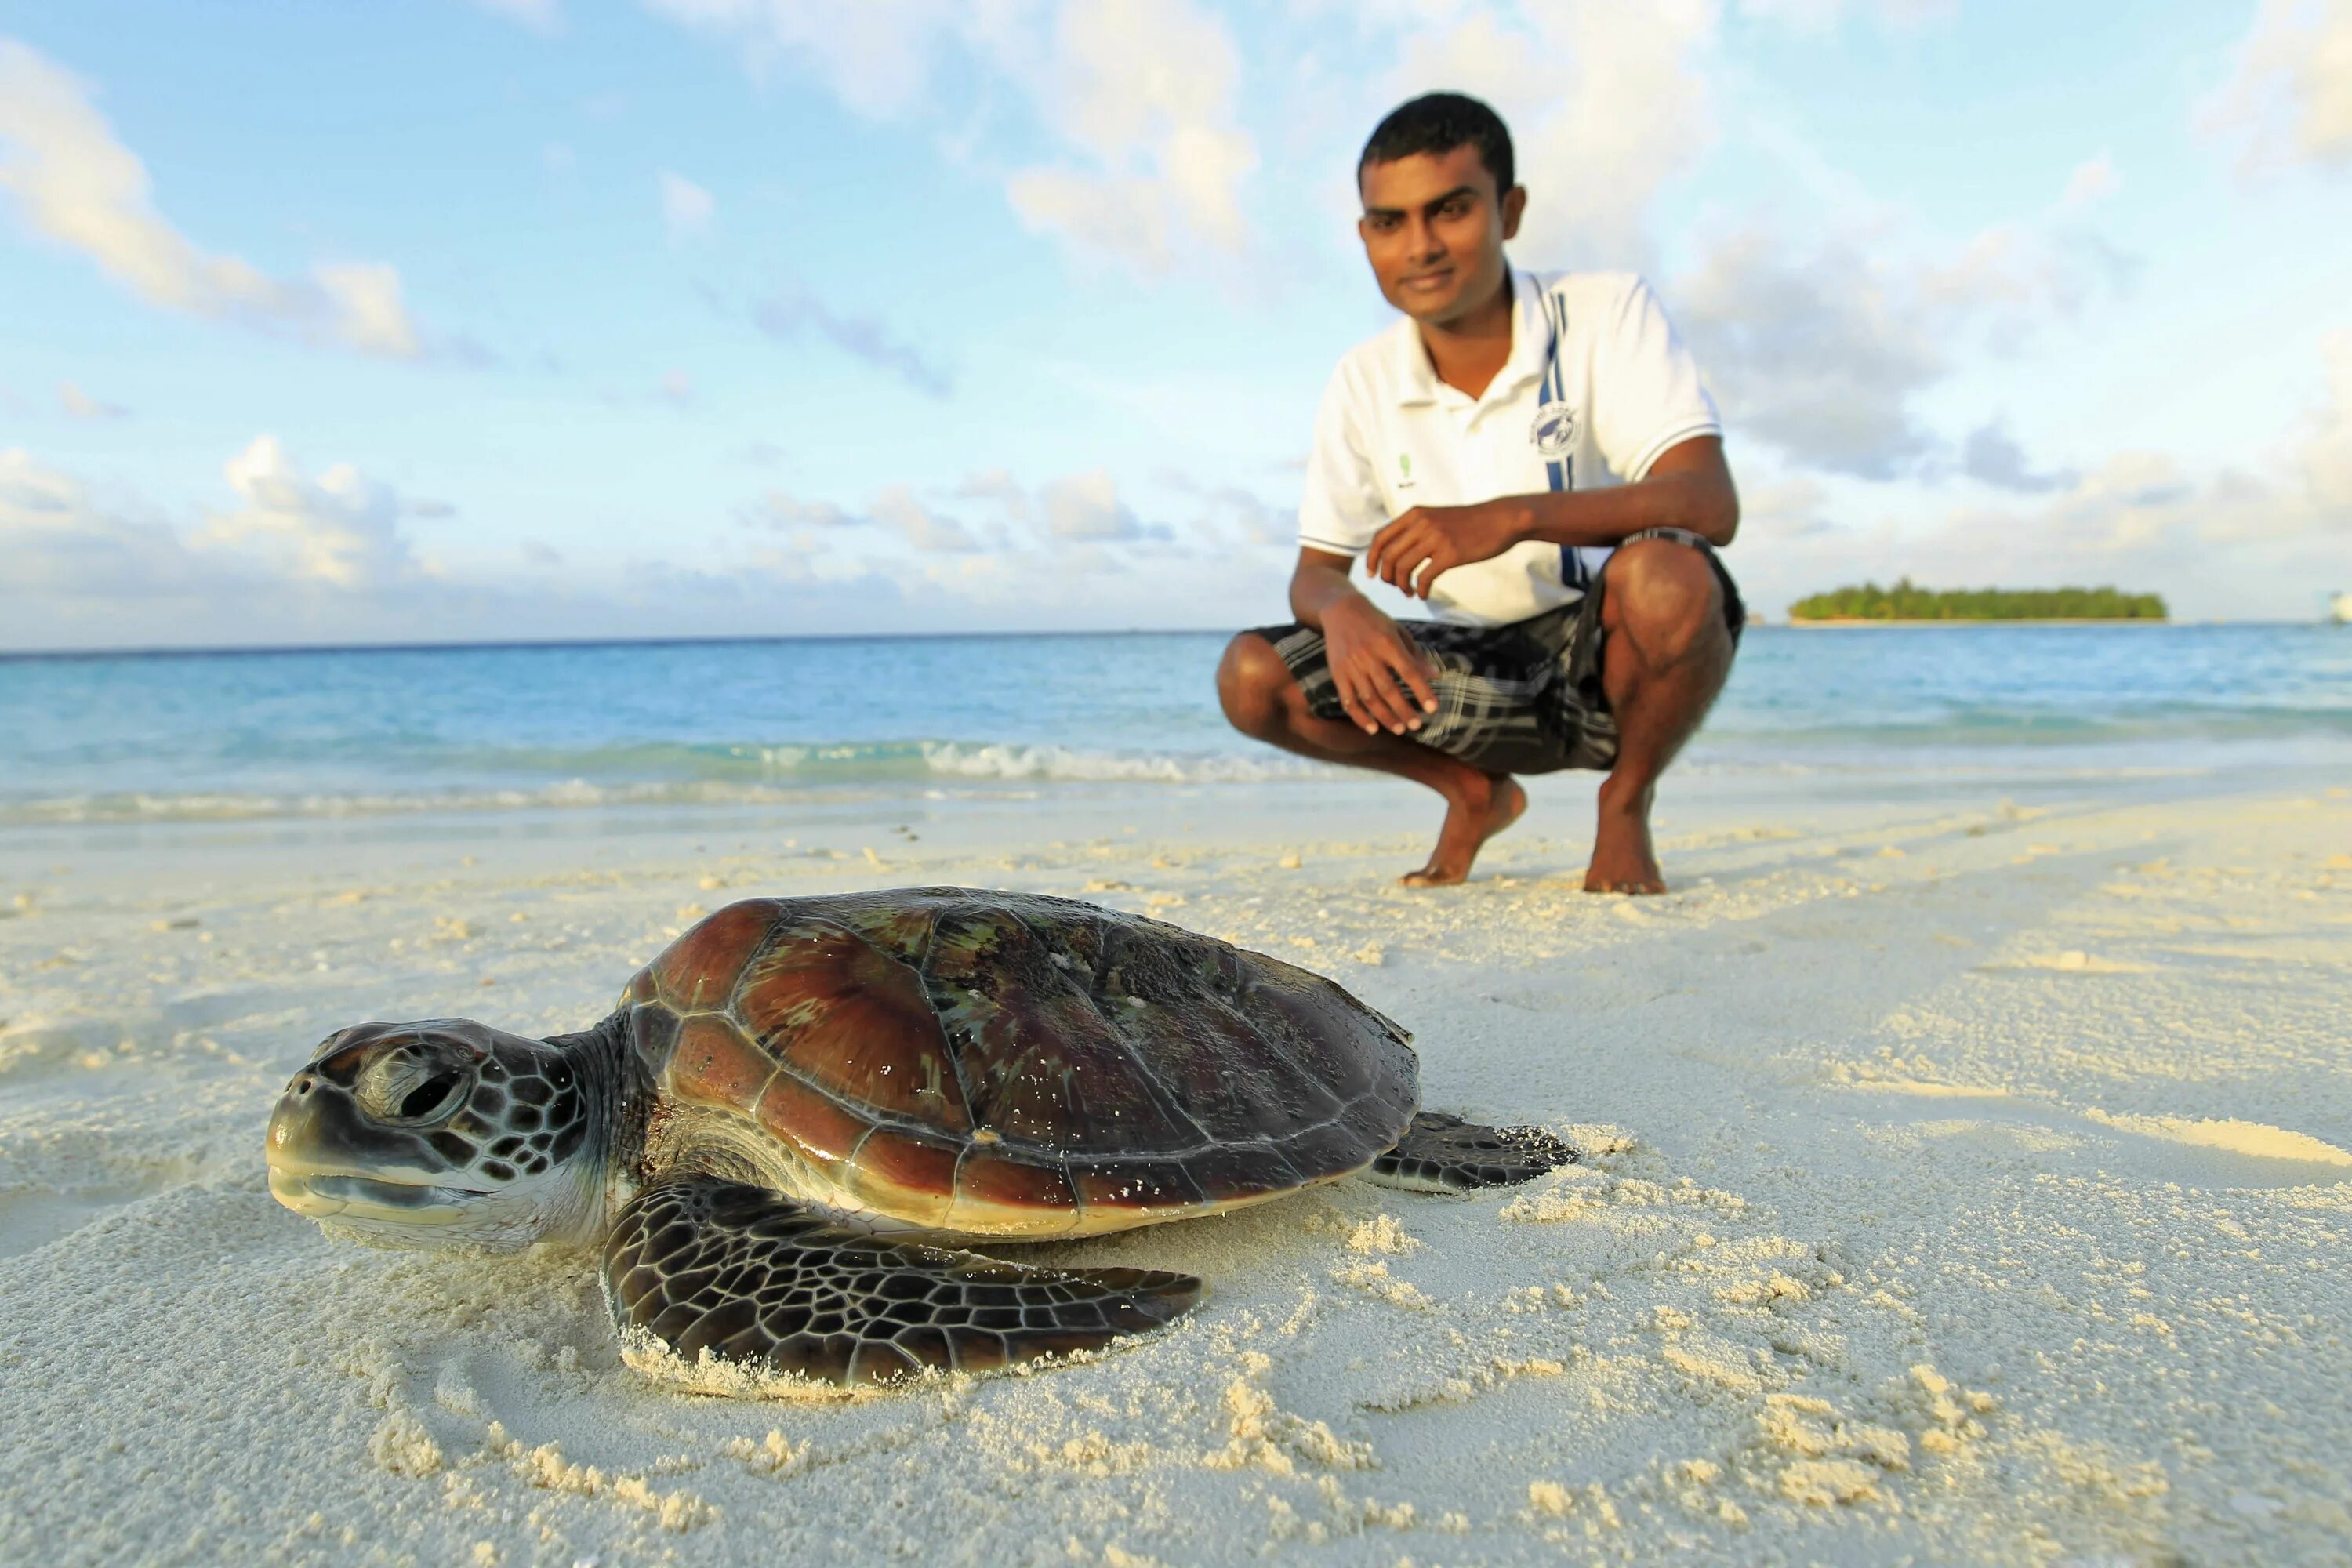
(2018, 621)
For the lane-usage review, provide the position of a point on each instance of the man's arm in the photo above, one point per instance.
(1368, 654)
(1688, 487)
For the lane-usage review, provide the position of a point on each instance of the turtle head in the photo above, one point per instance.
(441, 1134)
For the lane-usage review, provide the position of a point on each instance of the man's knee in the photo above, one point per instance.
(1664, 596)
(1252, 680)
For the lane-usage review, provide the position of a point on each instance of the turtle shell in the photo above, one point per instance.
(1008, 1064)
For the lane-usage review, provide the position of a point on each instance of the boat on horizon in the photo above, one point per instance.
(2339, 609)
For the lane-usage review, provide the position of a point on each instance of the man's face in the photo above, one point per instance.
(1433, 228)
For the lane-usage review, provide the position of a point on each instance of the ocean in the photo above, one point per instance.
(355, 732)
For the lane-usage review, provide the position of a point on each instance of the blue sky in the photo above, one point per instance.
(546, 318)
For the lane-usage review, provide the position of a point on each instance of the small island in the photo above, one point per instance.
(1907, 601)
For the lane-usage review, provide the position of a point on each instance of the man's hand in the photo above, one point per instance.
(1412, 551)
(1369, 656)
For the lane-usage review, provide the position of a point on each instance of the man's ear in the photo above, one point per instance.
(1515, 206)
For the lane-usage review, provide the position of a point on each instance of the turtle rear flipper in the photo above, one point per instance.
(1442, 1153)
(753, 1278)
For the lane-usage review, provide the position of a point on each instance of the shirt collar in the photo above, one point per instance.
(1417, 380)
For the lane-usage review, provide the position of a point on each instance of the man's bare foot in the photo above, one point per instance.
(1622, 860)
(1470, 821)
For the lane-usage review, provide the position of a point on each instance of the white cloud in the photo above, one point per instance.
(1825, 350)
(1137, 97)
(1086, 505)
(875, 54)
(81, 405)
(998, 486)
(1606, 103)
(1778, 511)
(2091, 182)
(2291, 95)
(686, 208)
(1242, 516)
(1142, 91)
(1819, 354)
(777, 509)
(2222, 542)
(306, 558)
(926, 530)
(292, 545)
(342, 528)
(60, 544)
(75, 184)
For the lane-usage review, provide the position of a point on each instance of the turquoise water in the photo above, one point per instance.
(229, 735)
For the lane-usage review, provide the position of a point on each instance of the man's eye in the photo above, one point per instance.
(1453, 209)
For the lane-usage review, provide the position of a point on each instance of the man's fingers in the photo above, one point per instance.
(1412, 561)
(1412, 666)
(1350, 702)
(1377, 694)
(1394, 676)
(1392, 560)
(1376, 559)
(1394, 545)
(1402, 718)
(1360, 697)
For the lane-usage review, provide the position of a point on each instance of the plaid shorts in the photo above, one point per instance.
(1525, 697)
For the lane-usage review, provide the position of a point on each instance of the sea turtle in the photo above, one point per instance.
(803, 1105)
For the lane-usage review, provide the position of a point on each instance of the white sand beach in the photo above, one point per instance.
(1962, 1182)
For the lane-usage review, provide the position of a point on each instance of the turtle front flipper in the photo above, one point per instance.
(1442, 1153)
(700, 1265)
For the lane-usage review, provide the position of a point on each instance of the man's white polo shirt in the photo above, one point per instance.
(1597, 386)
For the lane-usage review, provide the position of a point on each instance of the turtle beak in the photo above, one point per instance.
(329, 1159)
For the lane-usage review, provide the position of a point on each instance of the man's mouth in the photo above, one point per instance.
(1427, 282)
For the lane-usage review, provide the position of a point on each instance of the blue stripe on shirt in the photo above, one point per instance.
(1560, 471)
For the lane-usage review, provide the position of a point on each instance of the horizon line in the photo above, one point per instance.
(490, 645)
(495, 645)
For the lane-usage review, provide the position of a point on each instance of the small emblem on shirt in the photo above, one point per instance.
(1404, 470)
(1555, 430)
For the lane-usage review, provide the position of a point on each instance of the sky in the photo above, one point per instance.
(487, 320)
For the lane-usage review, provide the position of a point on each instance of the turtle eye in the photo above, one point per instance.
(409, 1085)
(427, 1097)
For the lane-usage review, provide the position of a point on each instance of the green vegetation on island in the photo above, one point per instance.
(1907, 601)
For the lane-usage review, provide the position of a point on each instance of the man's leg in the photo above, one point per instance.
(1263, 699)
(1664, 659)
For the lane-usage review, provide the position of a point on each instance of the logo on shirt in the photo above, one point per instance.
(1404, 470)
(1555, 430)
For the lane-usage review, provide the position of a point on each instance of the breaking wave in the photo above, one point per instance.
(665, 773)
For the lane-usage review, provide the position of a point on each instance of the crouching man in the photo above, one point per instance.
(1533, 456)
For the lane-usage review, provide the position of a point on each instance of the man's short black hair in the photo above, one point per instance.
(1439, 122)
